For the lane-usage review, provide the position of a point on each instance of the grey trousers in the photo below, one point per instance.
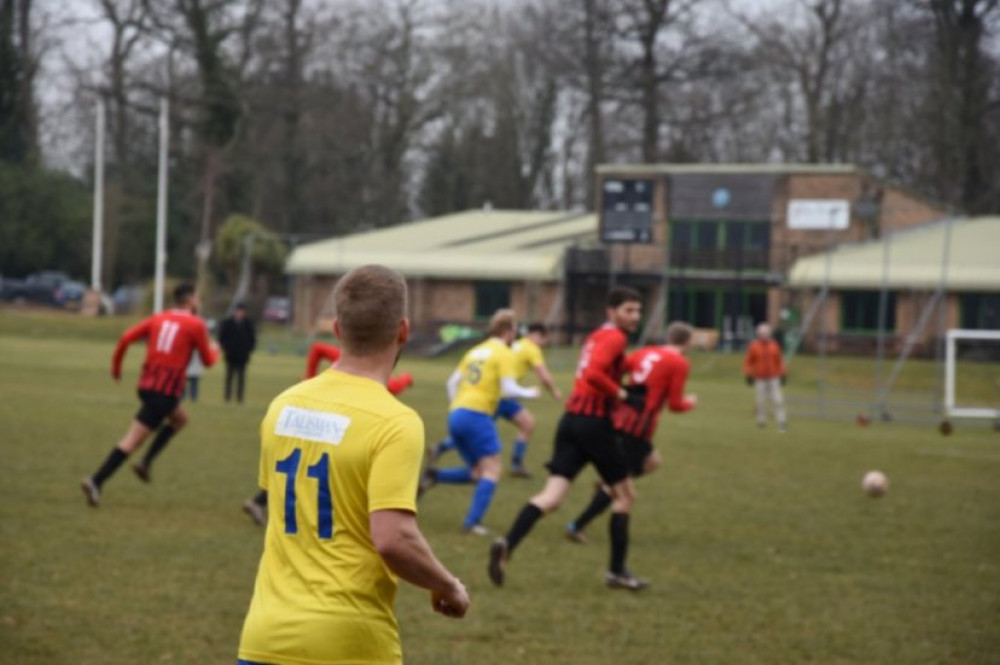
(765, 389)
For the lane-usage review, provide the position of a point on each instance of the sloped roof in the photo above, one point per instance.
(475, 244)
(752, 168)
(915, 259)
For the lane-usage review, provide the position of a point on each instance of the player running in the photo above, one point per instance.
(660, 372)
(528, 356)
(319, 352)
(256, 506)
(486, 374)
(171, 339)
(585, 435)
(345, 457)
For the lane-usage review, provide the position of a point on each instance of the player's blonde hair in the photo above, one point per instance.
(679, 333)
(502, 321)
(370, 302)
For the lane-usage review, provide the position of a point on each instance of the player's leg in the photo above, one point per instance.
(778, 398)
(640, 458)
(440, 448)
(618, 576)
(256, 507)
(551, 497)
(488, 471)
(462, 430)
(760, 391)
(176, 421)
(230, 369)
(567, 461)
(148, 417)
(524, 421)
(241, 375)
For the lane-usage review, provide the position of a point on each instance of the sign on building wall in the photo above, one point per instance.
(627, 210)
(721, 196)
(822, 214)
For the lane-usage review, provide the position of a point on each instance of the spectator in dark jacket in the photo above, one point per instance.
(237, 338)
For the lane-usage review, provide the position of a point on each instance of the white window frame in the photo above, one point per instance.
(950, 358)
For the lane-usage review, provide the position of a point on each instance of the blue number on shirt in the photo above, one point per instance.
(321, 472)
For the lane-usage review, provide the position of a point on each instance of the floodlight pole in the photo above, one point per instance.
(98, 238)
(883, 303)
(161, 207)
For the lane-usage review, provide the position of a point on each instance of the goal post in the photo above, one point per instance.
(953, 337)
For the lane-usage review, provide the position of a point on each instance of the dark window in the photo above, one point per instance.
(736, 233)
(757, 307)
(679, 305)
(491, 296)
(703, 310)
(707, 234)
(680, 234)
(859, 311)
(758, 236)
(980, 311)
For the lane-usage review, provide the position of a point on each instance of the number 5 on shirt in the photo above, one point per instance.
(320, 471)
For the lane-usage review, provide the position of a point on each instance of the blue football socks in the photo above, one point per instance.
(456, 475)
(481, 498)
(517, 457)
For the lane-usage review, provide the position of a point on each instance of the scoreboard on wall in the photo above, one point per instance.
(626, 210)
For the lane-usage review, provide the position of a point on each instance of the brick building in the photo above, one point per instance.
(459, 268)
(723, 236)
(934, 277)
(719, 239)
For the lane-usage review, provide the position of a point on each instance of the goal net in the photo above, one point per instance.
(972, 374)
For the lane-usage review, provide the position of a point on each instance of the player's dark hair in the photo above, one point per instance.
(370, 301)
(182, 292)
(539, 328)
(679, 333)
(621, 295)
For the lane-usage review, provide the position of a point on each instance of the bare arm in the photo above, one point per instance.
(546, 378)
(398, 540)
(453, 381)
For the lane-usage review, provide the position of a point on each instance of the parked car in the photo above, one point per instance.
(278, 309)
(10, 288)
(128, 297)
(41, 287)
(70, 294)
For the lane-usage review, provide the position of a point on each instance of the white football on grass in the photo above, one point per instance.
(875, 483)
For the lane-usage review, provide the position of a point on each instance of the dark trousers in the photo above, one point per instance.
(235, 371)
(191, 390)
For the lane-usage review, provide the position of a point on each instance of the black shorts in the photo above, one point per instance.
(582, 440)
(636, 451)
(155, 408)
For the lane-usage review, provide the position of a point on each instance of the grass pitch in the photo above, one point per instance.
(761, 546)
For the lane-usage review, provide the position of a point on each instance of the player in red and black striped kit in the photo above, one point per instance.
(320, 351)
(660, 372)
(585, 436)
(171, 337)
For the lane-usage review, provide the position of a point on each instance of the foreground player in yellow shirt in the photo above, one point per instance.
(341, 457)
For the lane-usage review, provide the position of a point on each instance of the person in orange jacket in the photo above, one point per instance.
(764, 369)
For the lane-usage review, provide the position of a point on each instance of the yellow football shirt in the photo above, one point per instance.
(482, 369)
(527, 356)
(333, 449)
